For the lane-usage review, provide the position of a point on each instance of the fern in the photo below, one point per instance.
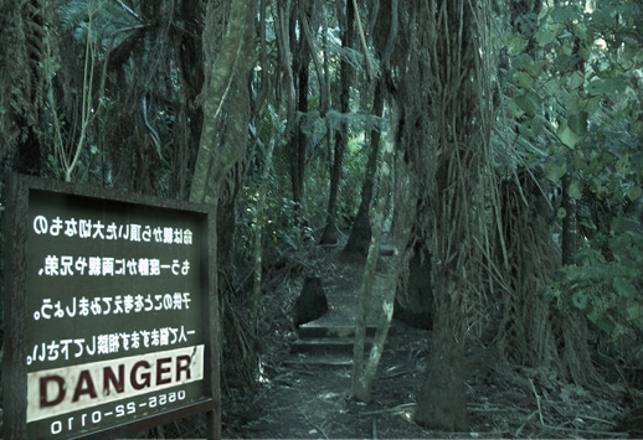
(106, 17)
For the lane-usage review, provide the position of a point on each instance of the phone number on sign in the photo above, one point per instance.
(129, 408)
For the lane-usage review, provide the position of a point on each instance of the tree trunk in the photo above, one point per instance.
(284, 28)
(360, 235)
(223, 146)
(457, 188)
(442, 399)
(233, 52)
(298, 158)
(362, 378)
(568, 245)
(330, 235)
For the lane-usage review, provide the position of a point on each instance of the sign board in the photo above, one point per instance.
(110, 321)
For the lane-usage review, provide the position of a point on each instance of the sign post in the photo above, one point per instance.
(110, 315)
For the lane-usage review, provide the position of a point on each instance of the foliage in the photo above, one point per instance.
(282, 233)
(606, 284)
(576, 78)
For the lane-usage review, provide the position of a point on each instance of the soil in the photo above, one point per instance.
(299, 398)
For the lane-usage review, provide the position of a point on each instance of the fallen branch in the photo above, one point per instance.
(396, 410)
(317, 427)
(586, 431)
(540, 410)
(519, 430)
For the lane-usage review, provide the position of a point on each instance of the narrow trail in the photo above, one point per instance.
(305, 379)
(308, 382)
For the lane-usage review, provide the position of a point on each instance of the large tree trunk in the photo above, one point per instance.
(284, 24)
(384, 35)
(458, 164)
(233, 59)
(442, 402)
(23, 32)
(223, 144)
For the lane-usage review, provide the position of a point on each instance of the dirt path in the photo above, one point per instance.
(299, 399)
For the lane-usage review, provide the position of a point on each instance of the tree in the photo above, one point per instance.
(445, 129)
(347, 31)
(360, 235)
(223, 147)
(384, 35)
(558, 99)
(22, 80)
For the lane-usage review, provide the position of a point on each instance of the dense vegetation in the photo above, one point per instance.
(502, 138)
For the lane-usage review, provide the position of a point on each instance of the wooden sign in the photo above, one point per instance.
(110, 315)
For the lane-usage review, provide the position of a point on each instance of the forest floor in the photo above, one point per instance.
(300, 399)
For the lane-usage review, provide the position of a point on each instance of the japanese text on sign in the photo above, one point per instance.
(115, 310)
(86, 228)
(108, 344)
(114, 305)
(67, 265)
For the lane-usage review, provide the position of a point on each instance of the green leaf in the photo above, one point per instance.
(531, 127)
(567, 62)
(514, 109)
(604, 322)
(637, 58)
(552, 86)
(635, 311)
(620, 225)
(580, 30)
(530, 103)
(576, 79)
(624, 287)
(574, 191)
(523, 79)
(545, 12)
(548, 33)
(634, 192)
(603, 17)
(555, 170)
(567, 135)
(537, 68)
(606, 86)
(517, 44)
(573, 103)
(564, 14)
(592, 105)
(577, 122)
(522, 61)
(624, 164)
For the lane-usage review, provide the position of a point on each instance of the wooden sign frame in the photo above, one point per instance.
(19, 319)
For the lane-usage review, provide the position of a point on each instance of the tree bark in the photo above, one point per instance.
(458, 185)
(283, 26)
(568, 245)
(330, 235)
(298, 158)
(360, 235)
(406, 194)
(442, 400)
(234, 48)
(223, 143)
(362, 378)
